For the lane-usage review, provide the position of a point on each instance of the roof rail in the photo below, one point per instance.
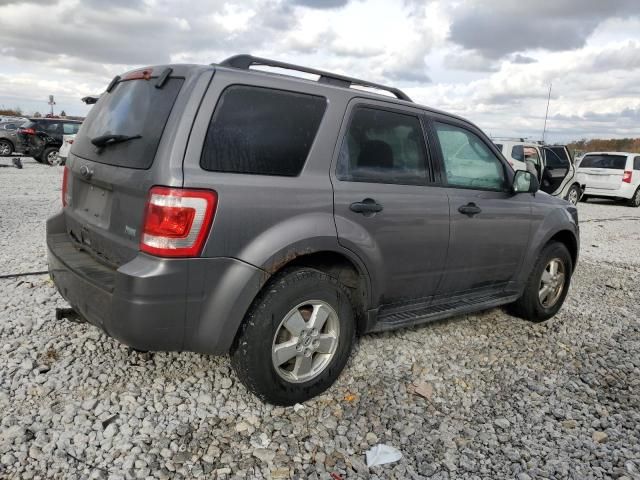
(244, 62)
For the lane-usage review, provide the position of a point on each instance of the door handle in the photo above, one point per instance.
(470, 209)
(368, 206)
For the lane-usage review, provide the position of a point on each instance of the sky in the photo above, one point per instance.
(491, 61)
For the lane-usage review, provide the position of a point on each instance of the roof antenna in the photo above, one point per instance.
(544, 129)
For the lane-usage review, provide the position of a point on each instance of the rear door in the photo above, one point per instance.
(603, 171)
(386, 207)
(558, 169)
(108, 181)
(489, 225)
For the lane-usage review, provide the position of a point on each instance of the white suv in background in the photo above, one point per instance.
(612, 175)
(550, 163)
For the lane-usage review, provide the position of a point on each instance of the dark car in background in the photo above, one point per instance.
(9, 141)
(41, 138)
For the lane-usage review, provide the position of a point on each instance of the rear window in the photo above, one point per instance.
(261, 131)
(614, 162)
(133, 107)
(498, 146)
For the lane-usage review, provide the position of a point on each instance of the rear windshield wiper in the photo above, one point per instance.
(104, 140)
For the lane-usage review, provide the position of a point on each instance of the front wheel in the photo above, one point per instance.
(6, 148)
(573, 195)
(547, 286)
(635, 200)
(296, 338)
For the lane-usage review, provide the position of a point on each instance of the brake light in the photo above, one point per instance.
(626, 176)
(139, 74)
(65, 186)
(27, 131)
(177, 221)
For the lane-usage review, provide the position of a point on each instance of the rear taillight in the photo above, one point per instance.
(177, 221)
(65, 186)
(27, 131)
(626, 176)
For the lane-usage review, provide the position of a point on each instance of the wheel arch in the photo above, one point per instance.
(569, 240)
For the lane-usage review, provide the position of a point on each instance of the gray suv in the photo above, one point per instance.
(223, 209)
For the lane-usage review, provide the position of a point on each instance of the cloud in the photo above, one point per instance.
(522, 59)
(470, 61)
(510, 26)
(321, 4)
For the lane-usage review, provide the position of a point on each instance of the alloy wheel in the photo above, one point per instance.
(305, 341)
(5, 148)
(552, 283)
(53, 158)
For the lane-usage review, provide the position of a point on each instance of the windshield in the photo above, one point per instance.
(132, 108)
(614, 162)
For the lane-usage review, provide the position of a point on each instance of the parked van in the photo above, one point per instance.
(612, 175)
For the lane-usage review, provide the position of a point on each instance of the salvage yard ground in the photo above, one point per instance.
(503, 398)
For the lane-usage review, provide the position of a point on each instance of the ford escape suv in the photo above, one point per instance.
(223, 209)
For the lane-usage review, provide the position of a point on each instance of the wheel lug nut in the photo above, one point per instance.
(316, 344)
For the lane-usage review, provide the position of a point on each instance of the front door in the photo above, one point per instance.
(489, 225)
(386, 209)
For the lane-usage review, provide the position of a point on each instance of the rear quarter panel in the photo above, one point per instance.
(269, 220)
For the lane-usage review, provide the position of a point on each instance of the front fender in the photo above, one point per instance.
(547, 223)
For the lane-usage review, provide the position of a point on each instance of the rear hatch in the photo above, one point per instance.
(119, 153)
(603, 171)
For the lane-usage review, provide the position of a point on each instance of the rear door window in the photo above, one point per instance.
(133, 107)
(52, 128)
(613, 162)
(636, 163)
(383, 147)
(261, 131)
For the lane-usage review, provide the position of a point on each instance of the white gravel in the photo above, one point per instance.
(508, 399)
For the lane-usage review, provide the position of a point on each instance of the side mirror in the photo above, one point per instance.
(525, 182)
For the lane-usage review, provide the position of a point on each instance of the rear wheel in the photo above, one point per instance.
(547, 286)
(573, 195)
(635, 200)
(296, 338)
(6, 148)
(50, 156)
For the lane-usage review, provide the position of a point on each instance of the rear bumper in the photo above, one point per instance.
(624, 191)
(155, 304)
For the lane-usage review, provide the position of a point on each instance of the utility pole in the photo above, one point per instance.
(52, 103)
(544, 129)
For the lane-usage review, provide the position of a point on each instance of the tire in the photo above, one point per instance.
(530, 306)
(635, 200)
(50, 156)
(6, 148)
(573, 195)
(253, 355)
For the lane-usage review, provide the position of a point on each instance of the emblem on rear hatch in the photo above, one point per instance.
(86, 172)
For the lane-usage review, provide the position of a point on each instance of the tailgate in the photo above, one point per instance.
(602, 178)
(603, 170)
(125, 146)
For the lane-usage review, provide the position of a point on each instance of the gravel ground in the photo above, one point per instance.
(504, 398)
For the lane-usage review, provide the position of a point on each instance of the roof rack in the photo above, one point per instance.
(244, 62)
